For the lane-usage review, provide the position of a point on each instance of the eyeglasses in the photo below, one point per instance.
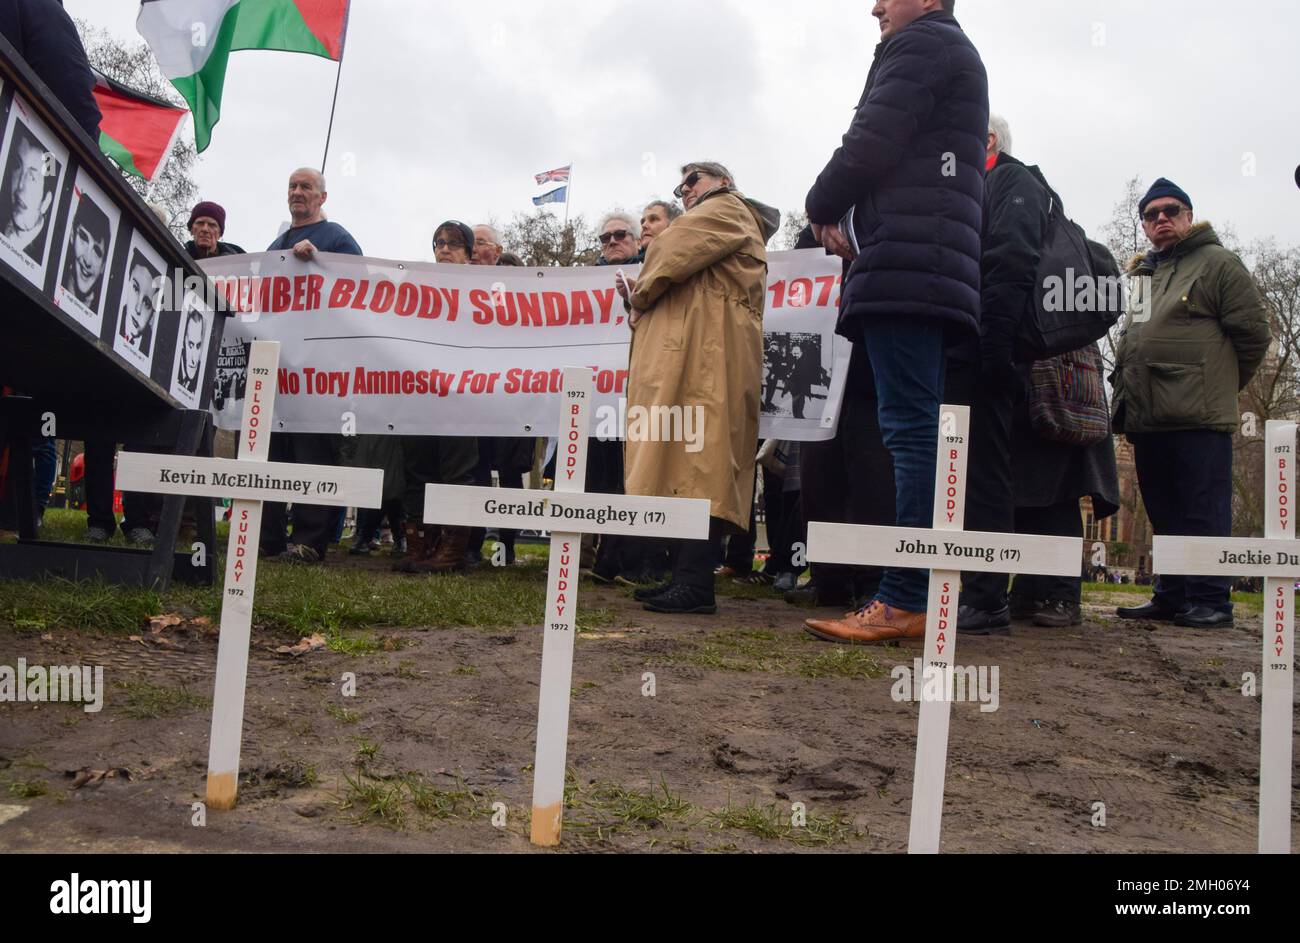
(690, 181)
(1172, 211)
(618, 235)
(447, 244)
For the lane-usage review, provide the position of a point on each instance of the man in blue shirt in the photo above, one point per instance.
(313, 525)
(311, 232)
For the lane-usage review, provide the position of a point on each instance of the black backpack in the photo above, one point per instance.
(1076, 297)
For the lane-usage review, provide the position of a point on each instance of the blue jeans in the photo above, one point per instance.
(45, 465)
(907, 358)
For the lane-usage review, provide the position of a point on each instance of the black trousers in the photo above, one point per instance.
(605, 476)
(785, 525)
(990, 488)
(1186, 483)
(138, 509)
(738, 552)
(313, 524)
(694, 564)
(1059, 520)
(848, 480)
(369, 520)
(434, 459)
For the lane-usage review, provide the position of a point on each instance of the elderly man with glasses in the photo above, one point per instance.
(1178, 372)
(620, 240)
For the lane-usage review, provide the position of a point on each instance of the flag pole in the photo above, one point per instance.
(568, 192)
(343, 50)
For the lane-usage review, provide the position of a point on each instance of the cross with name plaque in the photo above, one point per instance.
(1277, 559)
(946, 549)
(250, 479)
(567, 512)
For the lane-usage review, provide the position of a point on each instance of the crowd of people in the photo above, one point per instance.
(940, 227)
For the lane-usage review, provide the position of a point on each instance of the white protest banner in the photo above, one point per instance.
(413, 348)
(1277, 559)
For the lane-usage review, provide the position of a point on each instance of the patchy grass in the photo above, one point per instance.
(395, 799)
(784, 653)
(341, 713)
(334, 600)
(605, 807)
(144, 700)
(774, 823)
(25, 788)
(841, 661)
(292, 774)
(41, 605)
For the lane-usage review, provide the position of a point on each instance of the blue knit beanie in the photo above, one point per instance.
(1161, 188)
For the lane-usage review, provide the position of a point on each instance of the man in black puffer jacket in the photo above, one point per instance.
(906, 187)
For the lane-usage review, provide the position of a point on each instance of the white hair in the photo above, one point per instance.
(492, 231)
(317, 177)
(633, 224)
(998, 125)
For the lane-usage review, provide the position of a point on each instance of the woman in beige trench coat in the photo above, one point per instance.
(697, 358)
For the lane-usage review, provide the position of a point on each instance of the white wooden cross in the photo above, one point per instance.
(1277, 559)
(946, 550)
(250, 480)
(568, 513)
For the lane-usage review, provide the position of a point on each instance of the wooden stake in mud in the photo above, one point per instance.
(946, 549)
(568, 512)
(250, 480)
(1277, 559)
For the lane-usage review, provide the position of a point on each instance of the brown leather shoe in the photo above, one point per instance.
(417, 550)
(450, 554)
(876, 624)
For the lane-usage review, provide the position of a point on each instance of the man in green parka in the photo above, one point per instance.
(1181, 363)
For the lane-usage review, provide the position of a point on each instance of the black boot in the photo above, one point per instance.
(1149, 610)
(681, 599)
(972, 621)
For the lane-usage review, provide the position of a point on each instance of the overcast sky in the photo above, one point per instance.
(447, 109)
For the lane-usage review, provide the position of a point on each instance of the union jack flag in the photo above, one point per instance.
(559, 175)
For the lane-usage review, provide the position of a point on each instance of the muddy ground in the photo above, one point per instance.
(749, 716)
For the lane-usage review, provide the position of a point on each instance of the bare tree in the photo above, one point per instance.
(1274, 391)
(133, 65)
(1124, 237)
(542, 240)
(791, 225)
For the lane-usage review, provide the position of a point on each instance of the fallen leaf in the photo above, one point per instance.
(308, 644)
(166, 621)
(96, 777)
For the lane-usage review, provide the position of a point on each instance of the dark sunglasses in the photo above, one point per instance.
(1172, 212)
(447, 244)
(690, 181)
(618, 235)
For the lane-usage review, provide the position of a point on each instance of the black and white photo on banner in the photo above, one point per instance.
(137, 316)
(796, 374)
(34, 163)
(87, 254)
(191, 351)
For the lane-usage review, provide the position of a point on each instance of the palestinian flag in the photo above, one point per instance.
(193, 39)
(137, 131)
